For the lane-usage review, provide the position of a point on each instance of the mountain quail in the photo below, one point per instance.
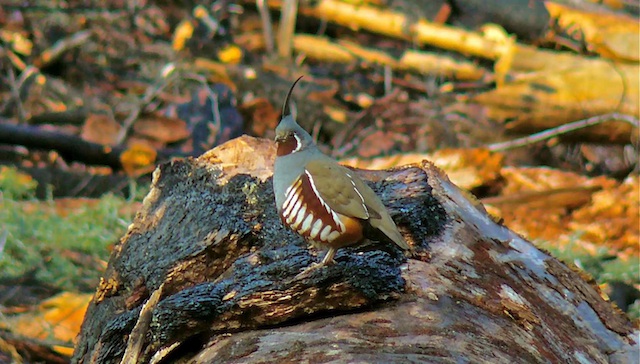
(324, 202)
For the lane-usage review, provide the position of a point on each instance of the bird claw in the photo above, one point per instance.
(328, 260)
(305, 273)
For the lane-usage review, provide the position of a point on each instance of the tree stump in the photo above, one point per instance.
(206, 273)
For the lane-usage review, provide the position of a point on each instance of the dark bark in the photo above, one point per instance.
(68, 117)
(207, 273)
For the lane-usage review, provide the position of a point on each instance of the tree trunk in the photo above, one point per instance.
(207, 274)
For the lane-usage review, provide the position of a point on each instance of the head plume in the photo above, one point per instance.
(286, 100)
(290, 136)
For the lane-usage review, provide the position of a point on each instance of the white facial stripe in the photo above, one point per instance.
(298, 143)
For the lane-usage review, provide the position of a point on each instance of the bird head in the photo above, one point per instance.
(291, 137)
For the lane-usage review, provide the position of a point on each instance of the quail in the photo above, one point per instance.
(323, 201)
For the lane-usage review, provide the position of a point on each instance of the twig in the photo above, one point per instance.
(215, 109)
(138, 333)
(201, 13)
(60, 47)
(267, 25)
(315, 132)
(27, 74)
(13, 59)
(563, 129)
(47, 343)
(388, 79)
(287, 28)
(215, 106)
(15, 95)
(150, 93)
(3, 239)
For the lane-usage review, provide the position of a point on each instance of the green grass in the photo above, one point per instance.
(602, 266)
(66, 252)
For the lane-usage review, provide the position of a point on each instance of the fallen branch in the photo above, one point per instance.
(210, 236)
(71, 147)
(563, 129)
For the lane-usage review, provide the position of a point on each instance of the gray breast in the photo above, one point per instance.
(287, 168)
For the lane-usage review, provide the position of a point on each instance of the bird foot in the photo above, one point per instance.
(328, 260)
(306, 272)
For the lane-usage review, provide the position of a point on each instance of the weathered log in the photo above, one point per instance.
(207, 274)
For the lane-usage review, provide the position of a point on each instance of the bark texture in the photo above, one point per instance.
(207, 274)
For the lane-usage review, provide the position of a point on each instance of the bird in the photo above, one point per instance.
(324, 202)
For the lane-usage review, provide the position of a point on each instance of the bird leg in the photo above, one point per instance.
(327, 260)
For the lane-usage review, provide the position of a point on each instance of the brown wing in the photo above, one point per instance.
(345, 193)
(379, 216)
(335, 186)
(339, 189)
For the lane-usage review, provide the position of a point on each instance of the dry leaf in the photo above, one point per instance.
(101, 129)
(231, 54)
(138, 159)
(261, 116)
(183, 32)
(612, 218)
(567, 208)
(161, 128)
(467, 168)
(16, 41)
(58, 318)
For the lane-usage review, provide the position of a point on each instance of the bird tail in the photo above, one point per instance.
(389, 228)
